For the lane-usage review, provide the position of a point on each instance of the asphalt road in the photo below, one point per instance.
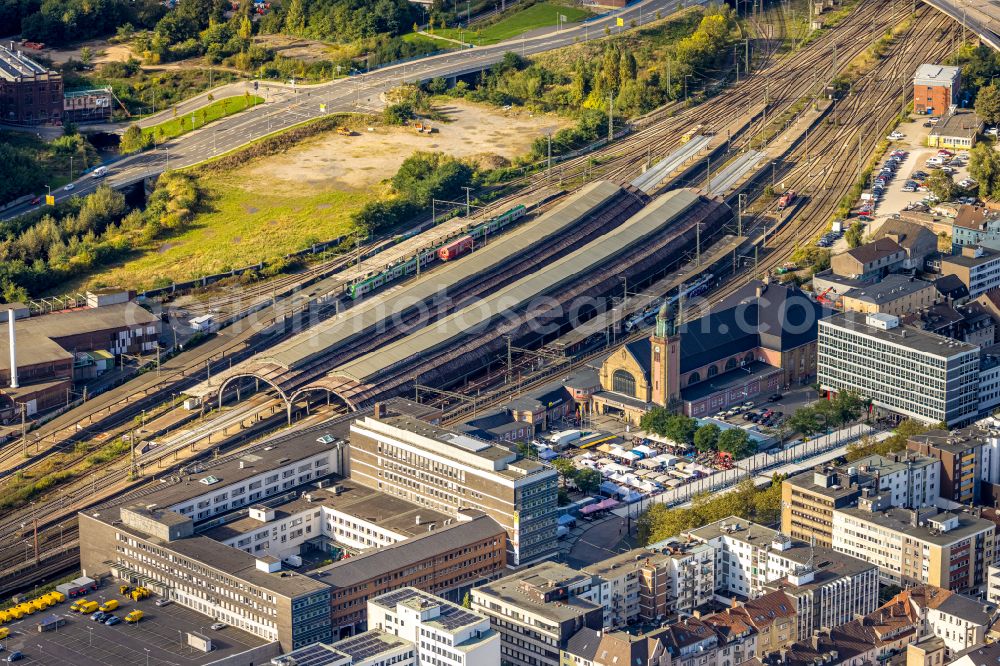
(287, 106)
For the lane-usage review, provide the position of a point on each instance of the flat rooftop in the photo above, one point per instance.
(727, 380)
(451, 617)
(545, 575)
(905, 336)
(986, 255)
(261, 457)
(625, 562)
(15, 66)
(935, 75)
(82, 642)
(892, 287)
(378, 508)
(899, 520)
(955, 441)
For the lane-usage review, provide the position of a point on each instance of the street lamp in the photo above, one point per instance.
(774, 165)
(147, 655)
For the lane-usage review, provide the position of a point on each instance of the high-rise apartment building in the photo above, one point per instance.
(449, 471)
(962, 454)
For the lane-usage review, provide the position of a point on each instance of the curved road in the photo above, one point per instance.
(290, 106)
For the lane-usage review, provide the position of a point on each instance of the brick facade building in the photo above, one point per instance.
(30, 94)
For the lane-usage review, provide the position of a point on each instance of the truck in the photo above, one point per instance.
(134, 616)
(89, 607)
(4, 633)
(50, 622)
(564, 437)
(100, 172)
(56, 597)
(75, 606)
(109, 605)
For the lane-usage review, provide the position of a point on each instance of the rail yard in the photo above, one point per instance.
(570, 262)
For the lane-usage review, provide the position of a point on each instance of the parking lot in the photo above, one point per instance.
(791, 400)
(159, 639)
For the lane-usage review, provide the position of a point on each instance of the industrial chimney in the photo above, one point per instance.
(13, 348)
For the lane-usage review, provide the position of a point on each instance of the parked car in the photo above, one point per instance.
(775, 396)
(113, 620)
(163, 602)
(219, 625)
(910, 187)
(896, 136)
(16, 655)
(100, 616)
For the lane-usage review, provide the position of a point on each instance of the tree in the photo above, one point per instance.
(984, 166)
(736, 442)
(855, 235)
(295, 18)
(655, 421)
(527, 450)
(86, 55)
(804, 421)
(467, 600)
(988, 104)
(246, 28)
(133, 140)
(706, 437)
(588, 480)
(565, 467)
(942, 185)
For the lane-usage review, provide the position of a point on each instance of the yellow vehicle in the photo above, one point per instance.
(123, 589)
(27, 608)
(39, 604)
(15, 613)
(134, 616)
(56, 597)
(687, 136)
(89, 607)
(139, 593)
(109, 605)
(4, 632)
(75, 606)
(5, 617)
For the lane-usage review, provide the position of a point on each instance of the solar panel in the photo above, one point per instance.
(369, 644)
(390, 599)
(453, 618)
(316, 654)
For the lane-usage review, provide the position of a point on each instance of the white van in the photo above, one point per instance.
(100, 172)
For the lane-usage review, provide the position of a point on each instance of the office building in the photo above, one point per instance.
(957, 130)
(450, 471)
(962, 454)
(977, 266)
(901, 370)
(30, 94)
(935, 89)
(441, 632)
(537, 611)
(752, 560)
(913, 547)
(907, 479)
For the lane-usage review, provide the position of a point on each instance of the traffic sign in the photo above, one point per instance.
(50, 200)
(620, 21)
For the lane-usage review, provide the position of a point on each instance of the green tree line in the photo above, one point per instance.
(38, 253)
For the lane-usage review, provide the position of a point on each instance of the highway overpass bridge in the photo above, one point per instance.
(981, 17)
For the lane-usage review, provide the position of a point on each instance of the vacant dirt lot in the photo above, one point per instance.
(306, 50)
(102, 52)
(360, 161)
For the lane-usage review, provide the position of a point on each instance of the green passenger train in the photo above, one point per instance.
(373, 283)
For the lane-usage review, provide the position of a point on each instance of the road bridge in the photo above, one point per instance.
(981, 17)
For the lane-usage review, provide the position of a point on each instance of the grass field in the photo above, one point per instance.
(248, 221)
(424, 40)
(539, 15)
(220, 108)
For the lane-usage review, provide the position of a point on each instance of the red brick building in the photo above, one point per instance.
(30, 94)
(935, 89)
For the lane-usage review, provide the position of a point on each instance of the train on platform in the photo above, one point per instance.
(696, 288)
(471, 236)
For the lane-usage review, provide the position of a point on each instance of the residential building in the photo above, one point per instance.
(907, 479)
(951, 289)
(634, 585)
(980, 656)
(440, 631)
(715, 640)
(894, 294)
(30, 93)
(957, 130)
(970, 322)
(537, 611)
(870, 261)
(935, 89)
(977, 266)
(755, 342)
(974, 224)
(901, 370)
(993, 583)
(928, 651)
(451, 471)
(930, 547)
(752, 560)
(918, 241)
(960, 621)
(692, 574)
(962, 454)
(775, 619)
(589, 647)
